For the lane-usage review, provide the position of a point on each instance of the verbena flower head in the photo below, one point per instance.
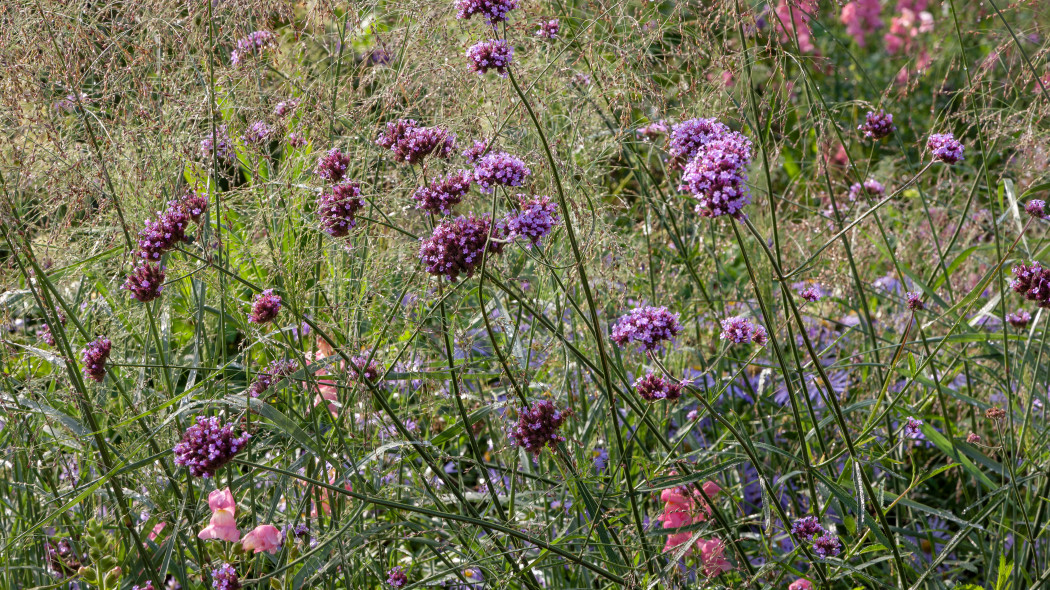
(499, 168)
(456, 246)
(826, 546)
(1033, 282)
(265, 307)
(494, 54)
(411, 143)
(286, 107)
(717, 176)
(257, 133)
(646, 326)
(94, 357)
(1036, 208)
(877, 125)
(396, 577)
(913, 428)
(163, 234)
(220, 144)
(914, 300)
(537, 218)
(807, 527)
(811, 293)
(255, 43)
(207, 446)
(945, 148)
(276, 370)
(145, 282)
(45, 334)
(741, 330)
(973, 438)
(654, 387)
(195, 205)
(445, 193)
(338, 208)
(689, 136)
(476, 151)
(494, 11)
(549, 29)
(871, 188)
(332, 166)
(225, 577)
(369, 370)
(1019, 319)
(538, 427)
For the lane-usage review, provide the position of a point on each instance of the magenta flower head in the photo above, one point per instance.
(538, 427)
(826, 546)
(494, 54)
(45, 334)
(207, 446)
(220, 144)
(807, 527)
(913, 428)
(285, 107)
(914, 300)
(1036, 208)
(717, 176)
(255, 43)
(1033, 282)
(689, 136)
(145, 282)
(871, 188)
(476, 151)
(225, 577)
(164, 233)
(456, 246)
(338, 208)
(500, 168)
(537, 218)
(332, 166)
(494, 11)
(396, 577)
(646, 326)
(369, 370)
(741, 330)
(549, 29)
(257, 133)
(812, 293)
(654, 387)
(277, 370)
(945, 148)
(195, 205)
(1019, 319)
(410, 143)
(445, 193)
(877, 125)
(653, 130)
(94, 357)
(265, 307)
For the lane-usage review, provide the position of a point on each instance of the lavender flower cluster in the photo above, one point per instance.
(370, 370)
(654, 387)
(145, 282)
(276, 370)
(396, 577)
(1033, 282)
(257, 133)
(476, 151)
(549, 29)
(877, 125)
(207, 446)
(44, 333)
(537, 218)
(494, 54)
(538, 427)
(945, 148)
(456, 246)
(338, 208)
(219, 143)
(445, 193)
(225, 577)
(333, 165)
(94, 357)
(646, 326)
(163, 234)
(265, 307)
(411, 143)
(494, 11)
(689, 136)
(255, 43)
(809, 529)
(499, 168)
(870, 188)
(717, 176)
(741, 330)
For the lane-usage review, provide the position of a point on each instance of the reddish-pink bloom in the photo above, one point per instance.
(157, 530)
(223, 525)
(801, 584)
(684, 506)
(264, 537)
(712, 554)
(861, 18)
(792, 20)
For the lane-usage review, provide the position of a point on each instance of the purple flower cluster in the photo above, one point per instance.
(741, 330)
(913, 428)
(812, 293)
(332, 166)
(654, 387)
(285, 107)
(445, 193)
(717, 176)
(369, 370)
(274, 372)
(652, 130)
(476, 151)
(549, 29)
(265, 307)
(410, 143)
(254, 43)
(338, 208)
(94, 357)
(207, 446)
(689, 136)
(499, 168)
(945, 148)
(537, 218)
(1019, 319)
(257, 133)
(45, 335)
(871, 188)
(195, 205)
(1036, 208)
(225, 577)
(456, 246)
(163, 234)
(647, 326)
(396, 577)
(914, 300)
(808, 528)
(494, 11)
(494, 54)
(1032, 281)
(220, 143)
(538, 427)
(826, 546)
(877, 125)
(145, 282)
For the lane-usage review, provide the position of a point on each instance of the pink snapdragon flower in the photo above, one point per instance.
(861, 18)
(264, 537)
(792, 21)
(223, 525)
(684, 506)
(712, 555)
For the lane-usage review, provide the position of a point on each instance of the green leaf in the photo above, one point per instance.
(1003, 582)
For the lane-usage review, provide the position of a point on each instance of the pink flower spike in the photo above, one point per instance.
(264, 537)
(223, 525)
